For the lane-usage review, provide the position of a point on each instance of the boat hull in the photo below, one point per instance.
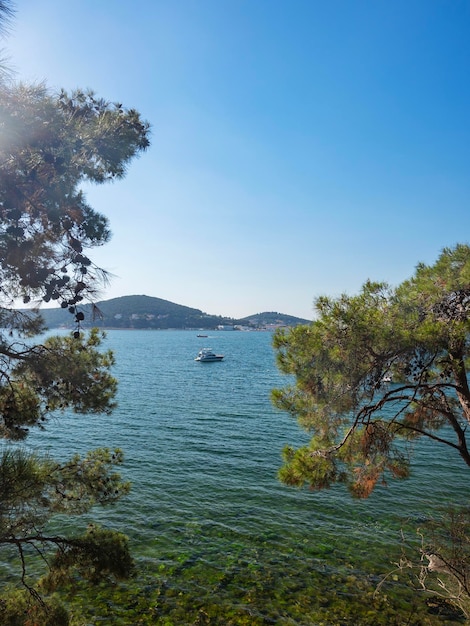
(206, 355)
(209, 359)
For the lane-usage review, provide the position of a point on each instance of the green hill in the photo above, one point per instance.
(148, 312)
(273, 319)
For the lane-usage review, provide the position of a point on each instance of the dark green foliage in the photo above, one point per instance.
(49, 146)
(416, 336)
(20, 609)
(97, 554)
(373, 373)
(60, 373)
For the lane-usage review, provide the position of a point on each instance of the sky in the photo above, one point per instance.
(298, 147)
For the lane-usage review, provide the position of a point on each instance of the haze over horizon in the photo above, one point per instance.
(298, 148)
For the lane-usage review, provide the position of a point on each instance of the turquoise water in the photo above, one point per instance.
(207, 517)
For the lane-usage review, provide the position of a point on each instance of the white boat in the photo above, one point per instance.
(206, 355)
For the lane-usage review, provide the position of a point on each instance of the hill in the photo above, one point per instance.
(148, 312)
(273, 319)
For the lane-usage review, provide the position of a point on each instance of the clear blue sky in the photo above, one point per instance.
(299, 147)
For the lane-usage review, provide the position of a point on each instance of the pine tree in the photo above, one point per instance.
(50, 145)
(416, 335)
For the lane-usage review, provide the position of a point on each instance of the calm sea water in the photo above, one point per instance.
(202, 448)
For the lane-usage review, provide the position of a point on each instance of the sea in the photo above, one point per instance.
(216, 537)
